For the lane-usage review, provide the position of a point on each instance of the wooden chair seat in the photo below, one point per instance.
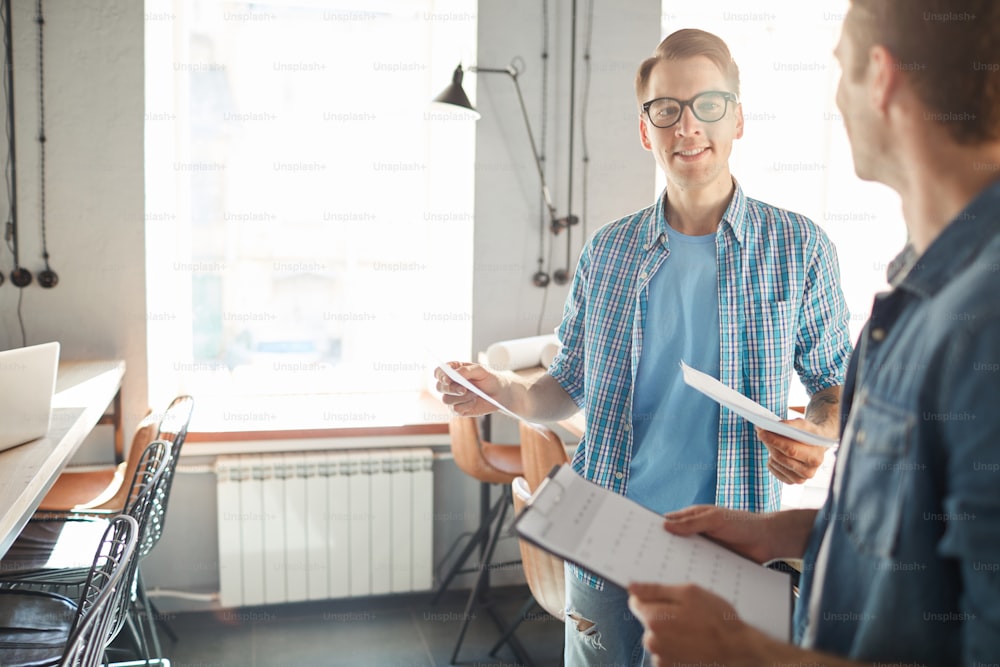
(486, 461)
(103, 488)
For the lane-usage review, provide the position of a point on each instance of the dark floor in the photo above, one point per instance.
(392, 631)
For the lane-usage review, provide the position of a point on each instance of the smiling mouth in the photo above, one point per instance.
(691, 152)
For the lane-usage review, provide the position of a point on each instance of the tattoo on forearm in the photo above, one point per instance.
(823, 405)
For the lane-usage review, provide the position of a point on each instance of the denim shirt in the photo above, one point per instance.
(903, 563)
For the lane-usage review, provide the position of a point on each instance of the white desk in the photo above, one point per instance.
(84, 389)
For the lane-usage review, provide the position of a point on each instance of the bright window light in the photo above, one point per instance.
(309, 217)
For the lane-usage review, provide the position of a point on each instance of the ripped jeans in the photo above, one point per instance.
(600, 628)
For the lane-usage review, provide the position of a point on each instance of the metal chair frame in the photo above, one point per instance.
(102, 595)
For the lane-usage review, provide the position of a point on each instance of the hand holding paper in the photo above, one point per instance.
(457, 377)
(750, 410)
(691, 625)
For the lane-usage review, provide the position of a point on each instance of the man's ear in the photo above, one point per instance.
(739, 120)
(883, 77)
(644, 134)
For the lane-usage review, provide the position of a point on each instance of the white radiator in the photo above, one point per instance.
(318, 525)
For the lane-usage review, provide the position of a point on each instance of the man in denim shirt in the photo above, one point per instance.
(902, 564)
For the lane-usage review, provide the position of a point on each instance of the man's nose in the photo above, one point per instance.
(688, 122)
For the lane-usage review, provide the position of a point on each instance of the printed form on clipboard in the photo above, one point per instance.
(752, 411)
(623, 542)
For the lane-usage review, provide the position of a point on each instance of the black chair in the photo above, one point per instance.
(97, 490)
(173, 428)
(43, 629)
(48, 555)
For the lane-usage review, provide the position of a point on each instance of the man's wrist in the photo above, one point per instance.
(823, 411)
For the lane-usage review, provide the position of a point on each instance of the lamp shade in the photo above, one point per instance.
(455, 95)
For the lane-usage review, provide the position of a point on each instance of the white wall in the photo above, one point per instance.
(621, 174)
(94, 190)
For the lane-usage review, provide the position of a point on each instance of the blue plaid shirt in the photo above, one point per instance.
(780, 308)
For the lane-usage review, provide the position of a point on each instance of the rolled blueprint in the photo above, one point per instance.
(549, 352)
(512, 355)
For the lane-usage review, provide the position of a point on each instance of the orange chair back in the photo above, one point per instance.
(485, 461)
(541, 450)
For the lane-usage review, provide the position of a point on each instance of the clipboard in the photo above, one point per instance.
(623, 542)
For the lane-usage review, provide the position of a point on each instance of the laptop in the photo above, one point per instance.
(27, 384)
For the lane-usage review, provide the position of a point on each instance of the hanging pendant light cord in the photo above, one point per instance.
(572, 118)
(40, 20)
(543, 218)
(588, 40)
(10, 231)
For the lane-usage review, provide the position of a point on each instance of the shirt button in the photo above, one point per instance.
(878, 335)
(642, 275)
(627, 427)
(860, 438)
(619, 475)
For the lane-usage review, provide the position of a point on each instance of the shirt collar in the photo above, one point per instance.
(736, 214)
(734, 217)
(956, 246)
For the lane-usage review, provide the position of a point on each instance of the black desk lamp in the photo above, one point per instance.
(454, 94)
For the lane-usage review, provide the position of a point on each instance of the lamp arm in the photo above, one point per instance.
(512, 72)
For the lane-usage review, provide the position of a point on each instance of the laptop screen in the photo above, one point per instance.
(27, 385)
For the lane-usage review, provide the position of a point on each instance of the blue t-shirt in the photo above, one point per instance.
(675, 428)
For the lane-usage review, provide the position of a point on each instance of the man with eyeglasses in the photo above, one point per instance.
(737, 288)
(900, 565)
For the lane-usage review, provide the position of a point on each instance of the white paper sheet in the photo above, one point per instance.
(624, 542)
(750, 410)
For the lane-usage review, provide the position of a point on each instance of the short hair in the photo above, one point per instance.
(689, 43)
(948, 49)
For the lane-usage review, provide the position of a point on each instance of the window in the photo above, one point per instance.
(309, 217)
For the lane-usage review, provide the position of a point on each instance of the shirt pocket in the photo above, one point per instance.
(878, 436)
(769, 344)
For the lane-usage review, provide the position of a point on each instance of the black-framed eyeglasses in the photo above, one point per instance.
(707, 107)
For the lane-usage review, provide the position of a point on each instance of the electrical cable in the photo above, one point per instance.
(183, 595)
(20, 276)
(8, 225)
(588, 65)
(542, 278)
(561, 276)
(545, 296)
(20, 318)
(47, 277)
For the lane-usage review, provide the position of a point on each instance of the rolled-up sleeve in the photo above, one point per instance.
(568, 366)
(822, 343)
